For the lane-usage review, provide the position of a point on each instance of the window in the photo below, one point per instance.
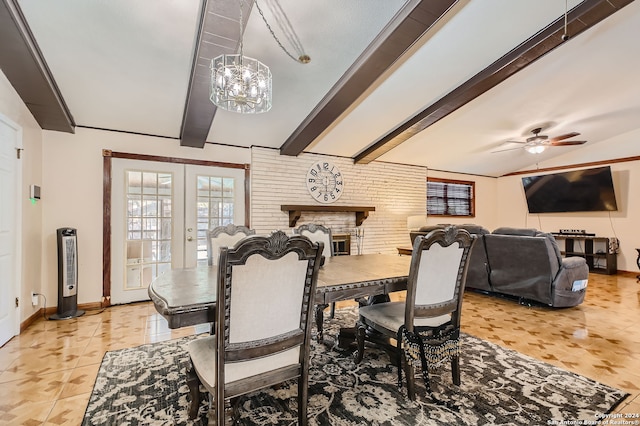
(447, 197)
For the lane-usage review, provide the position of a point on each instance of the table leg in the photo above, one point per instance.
(319, 320)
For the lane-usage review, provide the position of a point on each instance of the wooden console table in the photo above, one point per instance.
(295, 211)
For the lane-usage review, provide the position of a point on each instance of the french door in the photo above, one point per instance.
(160, 215)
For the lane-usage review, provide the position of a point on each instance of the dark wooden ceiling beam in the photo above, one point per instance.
(23, 64)
(218, 33)
(416, 17)
(584, 16)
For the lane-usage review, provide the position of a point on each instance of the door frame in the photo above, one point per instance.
(107, 156)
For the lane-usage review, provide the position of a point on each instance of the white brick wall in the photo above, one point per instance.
(396, 191)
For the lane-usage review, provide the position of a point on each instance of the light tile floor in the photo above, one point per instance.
(47, 373)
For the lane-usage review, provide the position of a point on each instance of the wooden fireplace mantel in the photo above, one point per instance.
(295, 211)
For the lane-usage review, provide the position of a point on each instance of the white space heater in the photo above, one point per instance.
(67, 275)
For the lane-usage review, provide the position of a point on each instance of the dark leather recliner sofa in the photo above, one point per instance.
(524, 263)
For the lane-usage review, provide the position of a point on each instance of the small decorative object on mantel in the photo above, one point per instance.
(325, 182)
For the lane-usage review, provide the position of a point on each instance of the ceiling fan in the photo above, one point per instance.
(538, 143)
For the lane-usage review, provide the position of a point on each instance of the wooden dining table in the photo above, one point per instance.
(187, 297)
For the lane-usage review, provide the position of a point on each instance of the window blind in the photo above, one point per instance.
(446, 198)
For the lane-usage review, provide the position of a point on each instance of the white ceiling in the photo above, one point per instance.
(125, 65)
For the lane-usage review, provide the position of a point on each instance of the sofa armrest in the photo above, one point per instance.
(574, 270)
(574, 262)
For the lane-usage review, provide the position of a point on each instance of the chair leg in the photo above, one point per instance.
(194, 391)
(319, 312)
(220, 410)
(303, 396)
(360, 334)
(332, 313)
(455, 370)
(409, 371)
(228, 414)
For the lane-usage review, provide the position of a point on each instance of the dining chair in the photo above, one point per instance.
(266, 287)
(423, 331)
(319, 233)
(224, 236)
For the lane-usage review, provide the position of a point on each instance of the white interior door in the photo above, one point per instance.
(214, 196)
(160, 213)
(147, 208)
(10, 140)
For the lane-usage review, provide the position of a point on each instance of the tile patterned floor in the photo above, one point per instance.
(47, 373)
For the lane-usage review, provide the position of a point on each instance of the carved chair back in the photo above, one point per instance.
(437, 275)
(224, 236)
(317, 233)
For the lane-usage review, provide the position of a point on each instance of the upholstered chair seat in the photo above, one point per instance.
(203, 357)
(390, 316)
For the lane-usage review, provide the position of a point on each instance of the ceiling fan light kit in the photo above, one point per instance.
(538, 143)
(535, 149)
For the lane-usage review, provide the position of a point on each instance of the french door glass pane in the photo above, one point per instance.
(149, 224)
(215, 207)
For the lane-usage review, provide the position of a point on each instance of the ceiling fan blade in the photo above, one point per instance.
(510, 142)
(508, 149)
(567, 143)
(561, 137)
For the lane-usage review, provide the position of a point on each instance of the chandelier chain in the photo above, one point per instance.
(241, 29)
(285, 25)
(287, 29)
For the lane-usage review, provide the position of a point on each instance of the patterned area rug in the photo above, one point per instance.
(147, 385)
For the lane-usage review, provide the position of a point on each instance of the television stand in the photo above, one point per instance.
(600, 259)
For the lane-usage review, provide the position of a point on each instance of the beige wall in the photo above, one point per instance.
(31, 216)
(622, 224)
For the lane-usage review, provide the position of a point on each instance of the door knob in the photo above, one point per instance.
(189, 229)
(189, 238)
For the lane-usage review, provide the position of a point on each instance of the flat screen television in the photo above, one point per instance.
(586, 190)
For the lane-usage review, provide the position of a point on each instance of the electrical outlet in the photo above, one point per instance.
(34, 298)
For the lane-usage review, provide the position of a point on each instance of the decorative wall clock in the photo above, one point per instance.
(325, 182)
